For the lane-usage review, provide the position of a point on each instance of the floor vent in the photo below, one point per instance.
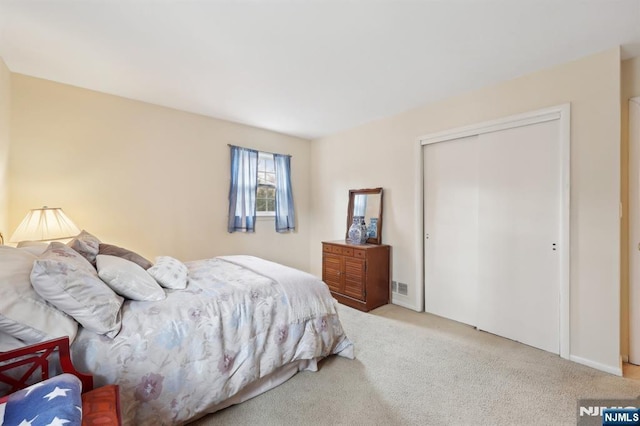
(403, 288)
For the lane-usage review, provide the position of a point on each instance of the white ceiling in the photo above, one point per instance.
(306, 68)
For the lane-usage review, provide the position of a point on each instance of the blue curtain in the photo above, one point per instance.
(285, 217)
(242, 191)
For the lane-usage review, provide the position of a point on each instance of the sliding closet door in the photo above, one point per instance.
(492, 220)
(451, 221)
(519, 216)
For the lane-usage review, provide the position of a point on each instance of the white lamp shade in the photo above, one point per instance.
(45, 224)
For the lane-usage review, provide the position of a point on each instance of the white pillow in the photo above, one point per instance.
(128, 279)
(33, 247)
(9, 343)
(169, 272)
(23, 313)
(87, 245)
(68, 281)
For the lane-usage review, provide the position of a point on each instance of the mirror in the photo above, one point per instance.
(366, 203)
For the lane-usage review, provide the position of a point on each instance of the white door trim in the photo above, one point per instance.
(634, 226)
(559, 112)
(519, 120)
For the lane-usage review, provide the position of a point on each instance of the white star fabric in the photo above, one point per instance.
(26, 422)
(33, 387)
(58, 422)
(56, 393)
(53, 402)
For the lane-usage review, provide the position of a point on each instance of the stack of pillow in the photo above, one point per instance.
(47, 291)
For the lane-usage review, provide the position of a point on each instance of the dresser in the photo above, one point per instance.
(357, 274)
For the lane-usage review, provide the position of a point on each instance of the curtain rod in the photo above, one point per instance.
(259, 150)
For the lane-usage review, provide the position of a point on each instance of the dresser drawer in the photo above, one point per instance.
(345, 251)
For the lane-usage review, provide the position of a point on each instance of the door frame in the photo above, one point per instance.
(559, 112)
(633, 312)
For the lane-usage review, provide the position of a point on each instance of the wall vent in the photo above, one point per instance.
(403, 288)
(394, 286)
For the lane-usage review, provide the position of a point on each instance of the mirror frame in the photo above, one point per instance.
(371, 191)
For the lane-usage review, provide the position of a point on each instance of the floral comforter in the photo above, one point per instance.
(239, 319)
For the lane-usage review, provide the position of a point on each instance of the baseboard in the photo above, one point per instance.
(598, 366)
(404, 303)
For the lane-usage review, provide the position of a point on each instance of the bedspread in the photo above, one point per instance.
(179, 358)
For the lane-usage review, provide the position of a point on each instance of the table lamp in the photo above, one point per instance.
(45, 224)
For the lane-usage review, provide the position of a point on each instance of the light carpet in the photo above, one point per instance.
(418, 369)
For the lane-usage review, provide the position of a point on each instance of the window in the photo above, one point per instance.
(266, 194)
(260, 185)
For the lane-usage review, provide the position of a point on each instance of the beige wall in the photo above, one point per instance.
(5, 102)
(383, 153)
(630, 87)
(148, 178)
(156, 180)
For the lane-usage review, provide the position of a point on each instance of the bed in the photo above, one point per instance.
(231, 328)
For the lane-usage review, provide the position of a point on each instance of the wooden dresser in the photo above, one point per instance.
(357, 274)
